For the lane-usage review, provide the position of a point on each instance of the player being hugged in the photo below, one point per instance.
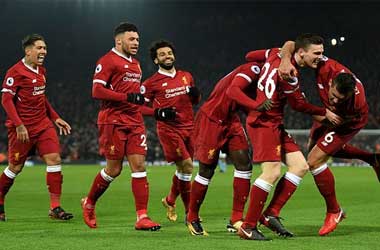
(30, 119)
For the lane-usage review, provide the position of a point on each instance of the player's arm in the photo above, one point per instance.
(286, 69)
(257, 55)
(64, 127)
(193, 92)
(236, 92)
(10, 109)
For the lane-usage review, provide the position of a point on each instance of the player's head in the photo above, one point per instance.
(163, 54)
(309, 48)
(126, 38)
(342, 88)
(35, 49)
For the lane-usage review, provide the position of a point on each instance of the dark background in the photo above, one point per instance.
(211, 39)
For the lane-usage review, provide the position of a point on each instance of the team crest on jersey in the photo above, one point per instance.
(255, 69)
(278, 150)
(10, 81)
(184, 79)
(112, 150)
(179, 152)
(98, 68)
(211, 153)
(17, 156)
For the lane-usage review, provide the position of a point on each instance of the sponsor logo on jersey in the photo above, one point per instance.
(132, 77)
(39, 90)
(175, 92)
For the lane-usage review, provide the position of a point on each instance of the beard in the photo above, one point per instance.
(166, 66)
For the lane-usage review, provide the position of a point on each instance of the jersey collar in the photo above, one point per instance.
(29, 67)
(122, 55)
(172, 75)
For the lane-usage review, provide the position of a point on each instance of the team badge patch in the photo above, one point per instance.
(10, 81)
(98, 68)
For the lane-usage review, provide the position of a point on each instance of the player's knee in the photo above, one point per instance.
(244, 166)
(312, 161)
(52, 159)
(16, 169)
(300, 170)
(206, 171)
(113, 172)
(187, 167)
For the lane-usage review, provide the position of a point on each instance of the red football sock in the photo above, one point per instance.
(99, 186)
(350, 152)
(54, 183)
(241, 191)
(174, 191)
(185, 188)
(326, 184)
(197, 195)
(5, 185)
(284, 190)
(257, 199)
(140, 189)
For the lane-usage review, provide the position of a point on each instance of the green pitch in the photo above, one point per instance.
(28, 226)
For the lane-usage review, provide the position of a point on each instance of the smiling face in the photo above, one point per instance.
(165, 57)
(35, 54)
(312, 55)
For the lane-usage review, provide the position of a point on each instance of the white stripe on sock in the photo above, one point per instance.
(183, 176)
(263, 185)
(202, 180)
(319, 169)
(105, 176)
(296, 180)
(9, 173)
(53, 168)
(243, 174)
(139, 174)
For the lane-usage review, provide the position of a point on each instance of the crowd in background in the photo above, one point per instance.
(210, 43)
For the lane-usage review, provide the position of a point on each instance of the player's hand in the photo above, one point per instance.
(165, 114)
(64, 127)
(135, 98)
(266, 105)
(333, 118)
(22, 133)
(286, 70)
(193, 91)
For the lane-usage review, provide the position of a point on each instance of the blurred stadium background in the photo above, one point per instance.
(211, 39)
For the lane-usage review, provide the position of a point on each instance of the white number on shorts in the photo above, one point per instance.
(143, 143)
(328, 138)
(270, 85)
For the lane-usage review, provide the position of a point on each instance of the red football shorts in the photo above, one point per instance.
(210, 137)
(46, 142)
(270, 143)
(177, 143)
(331, 140)
(117, 141)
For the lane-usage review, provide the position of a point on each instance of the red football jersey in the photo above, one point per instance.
(219, 106)
(169, 90)
(121, 74)
(271, 86)
(27, 85)
(355, 108)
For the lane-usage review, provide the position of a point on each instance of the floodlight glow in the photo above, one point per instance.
(333, 42)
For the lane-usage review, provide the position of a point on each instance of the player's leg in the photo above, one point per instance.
(197, 195)
(325, 181)
(241, 186)
(286, 186)
(112, 148)
(17, 154)
(260, 190)
(184, 173)
(48, 147)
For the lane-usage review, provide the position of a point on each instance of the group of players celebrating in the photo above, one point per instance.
(261, 88)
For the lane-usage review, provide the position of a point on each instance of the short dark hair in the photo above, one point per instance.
(305, 40)
(345, 83)
(157, 45)
(124, 27)
(31, 39)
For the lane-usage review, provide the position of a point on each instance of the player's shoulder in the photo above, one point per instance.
(250, 67)
(181, 72)
(330, 65)
(16, 68)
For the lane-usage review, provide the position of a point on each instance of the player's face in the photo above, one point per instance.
(312, 55)
(165, 57)
(336, 98)
(130, 42)
(36, 53)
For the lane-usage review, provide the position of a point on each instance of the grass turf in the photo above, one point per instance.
(28, 226)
